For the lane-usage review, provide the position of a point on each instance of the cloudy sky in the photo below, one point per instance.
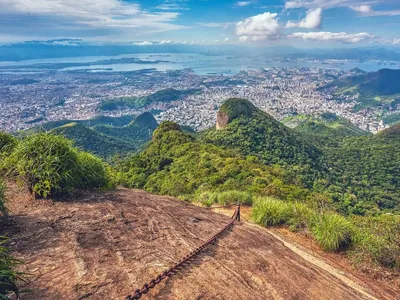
(259, 22)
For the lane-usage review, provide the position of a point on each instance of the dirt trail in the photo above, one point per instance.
(104, 245)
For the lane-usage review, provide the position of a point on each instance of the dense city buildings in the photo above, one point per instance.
(31, 99)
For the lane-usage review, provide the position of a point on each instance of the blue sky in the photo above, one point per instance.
(301, 23)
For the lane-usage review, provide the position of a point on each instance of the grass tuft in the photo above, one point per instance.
(332, 231)
(270, 212)
(225, 198)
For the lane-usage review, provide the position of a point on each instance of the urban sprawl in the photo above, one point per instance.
(29, 100)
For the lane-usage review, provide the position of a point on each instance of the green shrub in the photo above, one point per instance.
(93, 173)
(225, 198)
(377, 239)
(7, 144)
(50, 165)
(270, 212)
(300, 216)
(3, 209)
(229, 197)
(8, 277)
(332, 231)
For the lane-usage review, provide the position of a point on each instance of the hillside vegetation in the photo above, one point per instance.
(49, 165)
(317, 178)
(371, 89)
(105, 137)
(165, 95)
(323, 178)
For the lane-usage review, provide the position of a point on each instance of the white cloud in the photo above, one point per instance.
(102, 14)
(312, 20)
(173, 5)
(362, 8)
(244, 3)
(260, 27)
(144, 43)
(332, 36)
(243, 38)
(325, 3)
(215, 25)
(227, 40)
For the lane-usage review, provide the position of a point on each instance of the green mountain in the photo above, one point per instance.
(326, 124)
(105, 136)
(374, 88)
(326, 129)
(175, 163)
(99, 120)
(165, 95)
(327, 156)
(242, 126)
(92, 141)
(139, 131)
(365, 172)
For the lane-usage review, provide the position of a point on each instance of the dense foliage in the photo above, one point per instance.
(7, 144)
(103, 145)
(176, 164)
(365, 174)
(254, 132)
(8, 277)
(325, 126)
(50, 165)
(105, 137)
(3, 209)
(373, 88)
(367, 240)
(166, 95)
(319, 175)
(99, 120)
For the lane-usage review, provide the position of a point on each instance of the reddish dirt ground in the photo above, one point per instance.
(103, 245)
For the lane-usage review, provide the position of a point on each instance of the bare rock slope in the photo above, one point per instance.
(105, 245)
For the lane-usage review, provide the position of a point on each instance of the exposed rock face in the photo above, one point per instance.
(222, 120)
(105, 245)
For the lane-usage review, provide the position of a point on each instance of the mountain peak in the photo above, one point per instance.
(146, 119)
(233, 108)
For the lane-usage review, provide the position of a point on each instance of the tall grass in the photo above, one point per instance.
(300, 216)
(8, 277)
(377, 240)
(7, 143)
(225, 198)
(50, 165)
(332, 231)
(270, 212)
(3, 209)
(273, 212)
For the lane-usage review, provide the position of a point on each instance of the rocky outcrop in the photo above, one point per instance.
(222, 120)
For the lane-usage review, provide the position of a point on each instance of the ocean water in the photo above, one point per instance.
(200, 63)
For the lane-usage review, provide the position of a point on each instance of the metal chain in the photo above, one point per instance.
(173, 270)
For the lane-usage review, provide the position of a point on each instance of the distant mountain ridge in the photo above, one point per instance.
(324, 126)
(373, 88)
(105, 136)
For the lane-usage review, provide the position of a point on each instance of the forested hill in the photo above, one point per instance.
(354, 171)
(341, 192)
(106, 136)
(242, 126)
(373, 88)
